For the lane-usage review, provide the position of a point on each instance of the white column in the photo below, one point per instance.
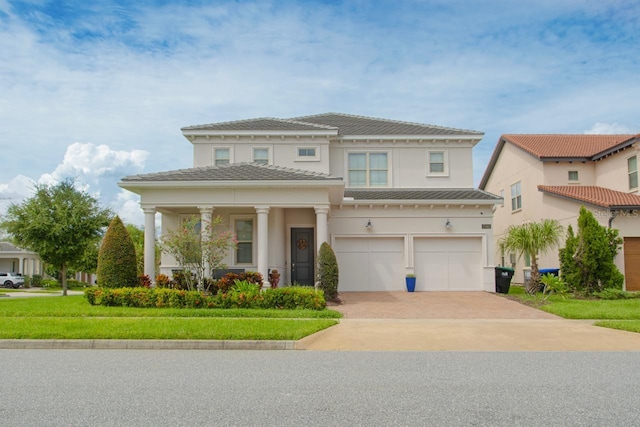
(150, 242)
(322, 227)
(263, 241)
(205, 233)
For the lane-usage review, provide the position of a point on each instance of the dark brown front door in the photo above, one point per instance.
(302, 256)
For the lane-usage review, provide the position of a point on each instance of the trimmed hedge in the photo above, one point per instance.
(290, 298)
(117, 266)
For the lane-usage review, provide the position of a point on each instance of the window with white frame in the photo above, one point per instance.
(244, 237)
(516, 197)
(437, 163)
(307, 153)
(632, 166)
(573, 176)
(221, 156)
(368, 169)
(261, 155)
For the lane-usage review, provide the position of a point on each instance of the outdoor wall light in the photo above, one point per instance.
(448, 224)
(369, 226)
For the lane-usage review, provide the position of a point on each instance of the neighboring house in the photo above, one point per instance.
(391, 197)
(16, 260)
(551, 176)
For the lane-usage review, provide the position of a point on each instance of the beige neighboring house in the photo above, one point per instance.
(552, 176)
(16, 260)
(391, 197)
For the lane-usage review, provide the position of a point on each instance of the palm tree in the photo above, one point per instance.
(532, 238)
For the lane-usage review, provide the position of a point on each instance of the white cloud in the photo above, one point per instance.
(609, 128)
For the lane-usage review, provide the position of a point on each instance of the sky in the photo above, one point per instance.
(98, 90)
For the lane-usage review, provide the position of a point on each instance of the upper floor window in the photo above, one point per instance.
(261, 155)
(632, 164)
(307, 153)
(368, 169)
(221, 156)
(437, 163)
(573, 176)
(244, 236)
(516, 197)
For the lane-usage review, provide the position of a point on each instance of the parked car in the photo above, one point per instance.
(11, 280)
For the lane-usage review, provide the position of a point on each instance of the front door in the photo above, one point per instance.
(302, 256)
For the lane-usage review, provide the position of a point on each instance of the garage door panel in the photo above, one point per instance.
(370, 264)
(632, 263)
(452, 264)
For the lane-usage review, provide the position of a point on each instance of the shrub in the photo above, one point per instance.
(613, 294)
(224, 284)
(162, 281)
(553, 285)
(245, 295)
(117, 258)
(144, 281)
(328, 271)
(50, 283)
(36, 280)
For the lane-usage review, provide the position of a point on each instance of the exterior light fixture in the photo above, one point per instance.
(448, 224)
(369, 226)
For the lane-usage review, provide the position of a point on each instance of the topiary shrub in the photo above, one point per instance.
(328, 272)
(117, 258)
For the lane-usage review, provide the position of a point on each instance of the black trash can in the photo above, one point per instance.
(503, 279)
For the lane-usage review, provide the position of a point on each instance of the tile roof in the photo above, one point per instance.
(345, 124)
(261, 124)
(421, 194)
(570, 146)
(360, 125)
(597, 196)
(233, 172)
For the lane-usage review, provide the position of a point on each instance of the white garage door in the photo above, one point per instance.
(448, 264)
(370, 263)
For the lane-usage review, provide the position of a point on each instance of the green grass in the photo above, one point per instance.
(625, 325)
(72, 317)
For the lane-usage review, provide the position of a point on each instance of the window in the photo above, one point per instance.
(516, 197)
(527, 259)
(261, 155)
(437, 163)
(307, 153)
(221, 156)
(573, 176)
(244, 236)
(368, 169)
(512, 259)
(632, 164)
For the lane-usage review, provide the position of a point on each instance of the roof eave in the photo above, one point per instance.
(352, 201)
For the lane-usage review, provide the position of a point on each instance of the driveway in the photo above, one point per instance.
(458, 321)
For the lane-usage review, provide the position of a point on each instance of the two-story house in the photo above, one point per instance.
(551, 176)
(391, 197)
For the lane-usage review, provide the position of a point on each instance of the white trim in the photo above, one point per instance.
(367, 151)
(269, 149)
(315, 158)
(221, 147)
(233, 218)
(445, 160)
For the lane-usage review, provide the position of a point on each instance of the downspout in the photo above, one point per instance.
(614, 214)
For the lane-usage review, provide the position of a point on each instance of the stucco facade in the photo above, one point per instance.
(556, 185)
(391, 197)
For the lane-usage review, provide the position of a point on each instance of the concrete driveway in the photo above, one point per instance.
(459, 321)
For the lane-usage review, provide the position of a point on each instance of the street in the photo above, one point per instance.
(287, 388)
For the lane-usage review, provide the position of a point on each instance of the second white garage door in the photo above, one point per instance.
(370, 263)
(448, 264)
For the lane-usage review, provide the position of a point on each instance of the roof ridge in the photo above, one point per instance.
(425, 125)
(229, 122)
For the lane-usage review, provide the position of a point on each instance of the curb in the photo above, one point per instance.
(147, 344)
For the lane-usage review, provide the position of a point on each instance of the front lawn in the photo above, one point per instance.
(72, 317)
(617, 314)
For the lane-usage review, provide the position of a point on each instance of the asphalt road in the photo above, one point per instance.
(294, 388)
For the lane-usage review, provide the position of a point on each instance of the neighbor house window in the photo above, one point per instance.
(437, 163)
(221, 156)
(307, 153)
(244, 236)
(368, 169)
(632, 164)
(527, 260)
(516, 197)
(573, 176)
(261, 155)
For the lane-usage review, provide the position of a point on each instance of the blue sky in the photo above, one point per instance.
(99, 90)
